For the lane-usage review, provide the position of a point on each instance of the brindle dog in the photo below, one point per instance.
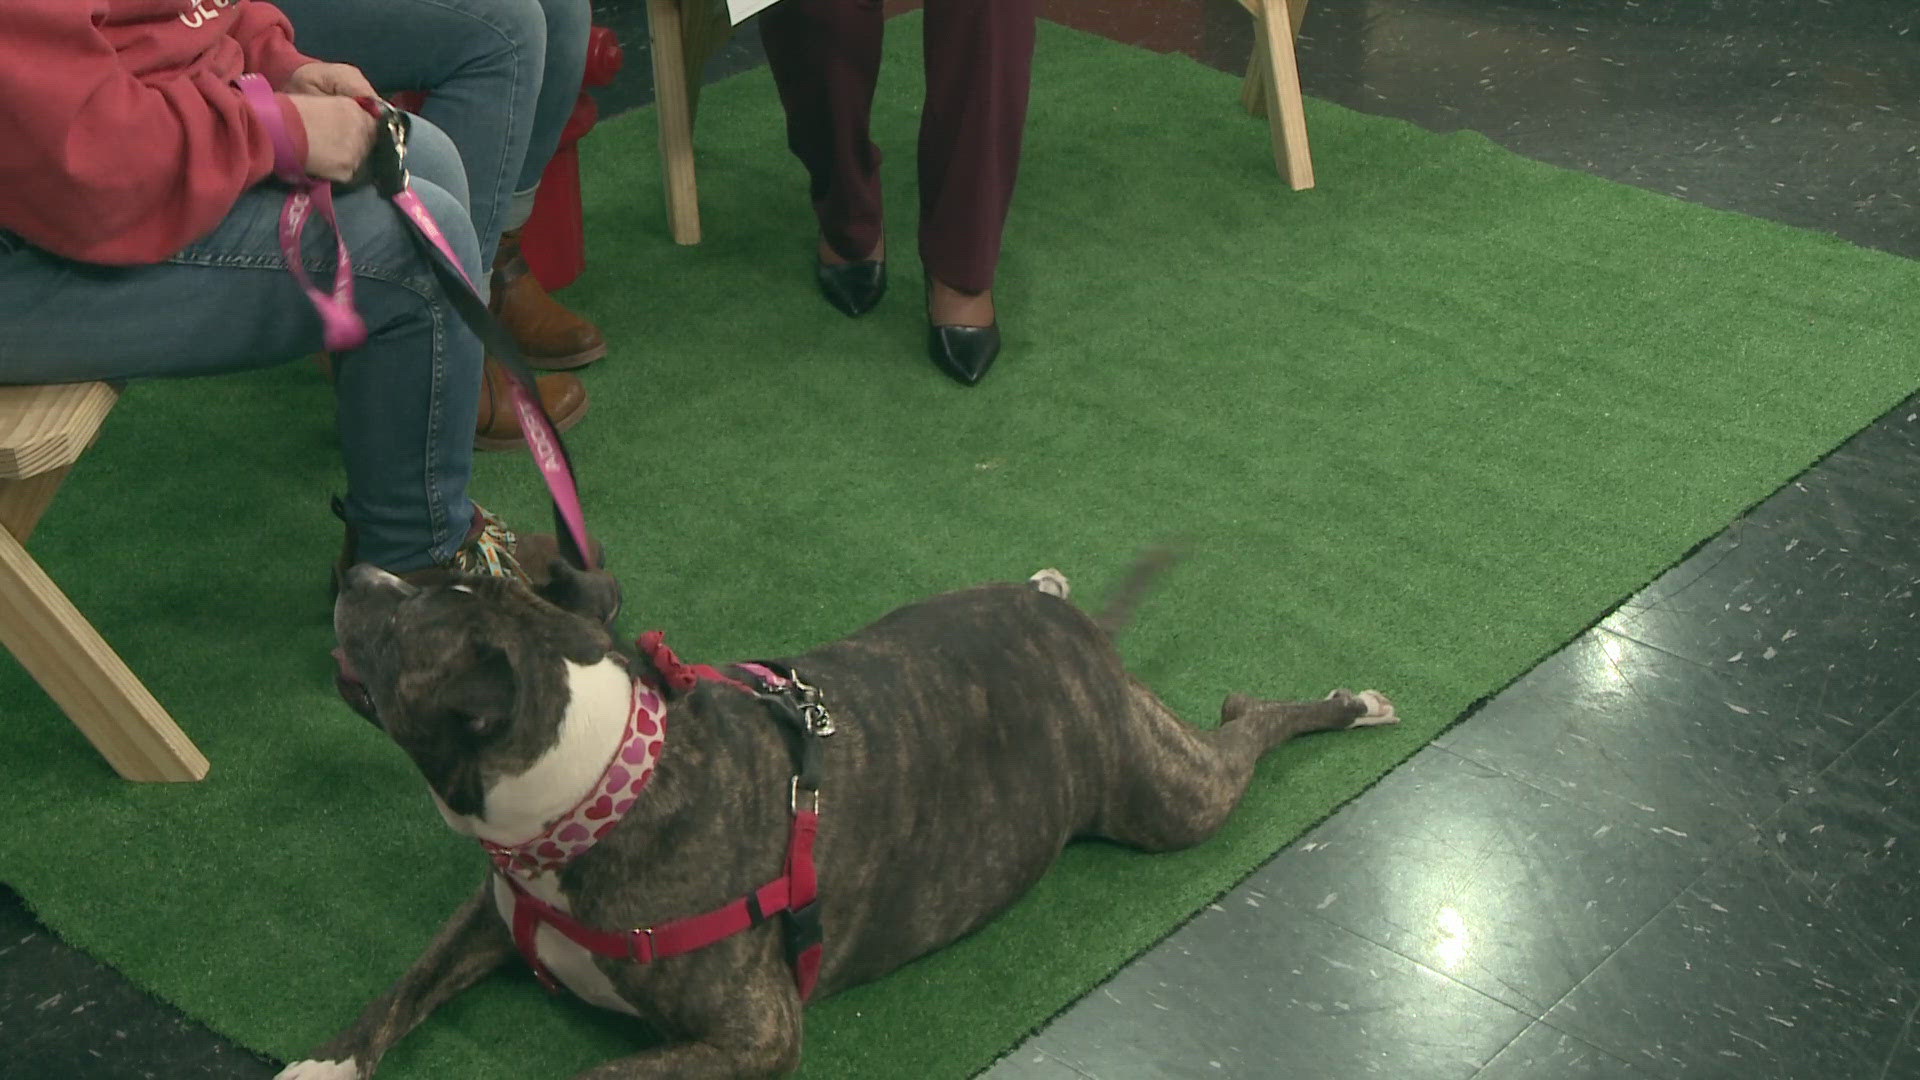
(977, 733)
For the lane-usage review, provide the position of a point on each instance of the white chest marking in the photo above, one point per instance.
(520, 807)
(569, 963)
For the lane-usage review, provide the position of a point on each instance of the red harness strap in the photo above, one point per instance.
(791, 896)
(792, 893)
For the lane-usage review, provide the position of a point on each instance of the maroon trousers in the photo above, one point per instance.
(825, 56)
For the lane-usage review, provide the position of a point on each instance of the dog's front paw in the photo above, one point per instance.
(1379, 709)
(1050, 581)
(321, 1070)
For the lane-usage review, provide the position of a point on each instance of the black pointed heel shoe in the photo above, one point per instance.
(852, 288)
(964, 352)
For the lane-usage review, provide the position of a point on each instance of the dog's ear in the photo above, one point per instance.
(486, 697)
(472, 699)
(591, 594)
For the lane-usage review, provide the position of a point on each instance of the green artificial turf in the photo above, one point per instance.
(1421, 425)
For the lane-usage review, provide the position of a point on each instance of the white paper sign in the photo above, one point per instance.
(742, 10)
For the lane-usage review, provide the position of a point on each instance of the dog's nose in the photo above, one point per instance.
(369, 576)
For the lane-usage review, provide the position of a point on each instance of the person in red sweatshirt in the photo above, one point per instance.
(139, 238)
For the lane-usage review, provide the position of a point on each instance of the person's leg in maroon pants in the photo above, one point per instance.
(979, 59)
(825, 56)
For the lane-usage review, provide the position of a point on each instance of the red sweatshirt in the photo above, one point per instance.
(122, 138)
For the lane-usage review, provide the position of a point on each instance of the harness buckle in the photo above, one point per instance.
(793, 796)
(802, 930)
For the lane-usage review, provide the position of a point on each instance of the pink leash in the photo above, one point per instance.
(339, 321)
(344, 329)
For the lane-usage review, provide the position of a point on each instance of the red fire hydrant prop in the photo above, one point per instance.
(554, 240)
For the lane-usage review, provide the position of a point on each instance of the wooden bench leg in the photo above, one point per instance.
(23, 501)
(1253, 88)
(1286, 109)
(61, 650)
(675, 106)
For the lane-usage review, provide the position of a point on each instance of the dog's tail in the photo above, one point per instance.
(1119, 610)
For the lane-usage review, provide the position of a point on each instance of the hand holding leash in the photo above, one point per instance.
(339, 135)
(343, 80)
(375, 148)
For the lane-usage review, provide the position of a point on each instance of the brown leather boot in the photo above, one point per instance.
(548, 334)
(563, 396)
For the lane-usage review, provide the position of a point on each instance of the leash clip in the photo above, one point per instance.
(388, 161)
(812, 711)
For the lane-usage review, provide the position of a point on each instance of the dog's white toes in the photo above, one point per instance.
(1050, 581)
(1379, 709)
(321, 1070)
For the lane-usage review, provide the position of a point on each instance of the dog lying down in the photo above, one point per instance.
(707, 854)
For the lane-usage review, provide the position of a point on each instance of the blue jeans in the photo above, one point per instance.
(406, 402)
(501, 78)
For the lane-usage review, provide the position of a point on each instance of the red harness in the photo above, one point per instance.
(791, 896)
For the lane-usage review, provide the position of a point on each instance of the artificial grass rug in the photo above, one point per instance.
(1420, 426)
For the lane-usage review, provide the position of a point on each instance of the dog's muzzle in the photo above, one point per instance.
(352, 690)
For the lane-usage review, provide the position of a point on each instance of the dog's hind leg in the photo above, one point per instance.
(471, 944)
(1177, 783)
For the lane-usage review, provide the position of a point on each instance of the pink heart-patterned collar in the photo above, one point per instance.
(594, 816)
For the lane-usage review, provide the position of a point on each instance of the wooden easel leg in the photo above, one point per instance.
(61, 650)
(1286, 109)
(676, 119)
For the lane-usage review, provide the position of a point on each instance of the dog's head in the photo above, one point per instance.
(471, 675)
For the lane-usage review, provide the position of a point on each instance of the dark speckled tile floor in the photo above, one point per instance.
(1685, 846)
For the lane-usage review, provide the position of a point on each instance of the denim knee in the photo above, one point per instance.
(451, 215)
(520, 26)
(567, 25)
(432, 156)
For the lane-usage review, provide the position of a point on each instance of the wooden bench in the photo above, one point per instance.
(685, 33)
(43, 431)
(1272, 86)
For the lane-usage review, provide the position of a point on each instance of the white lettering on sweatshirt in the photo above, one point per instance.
(205, 11)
